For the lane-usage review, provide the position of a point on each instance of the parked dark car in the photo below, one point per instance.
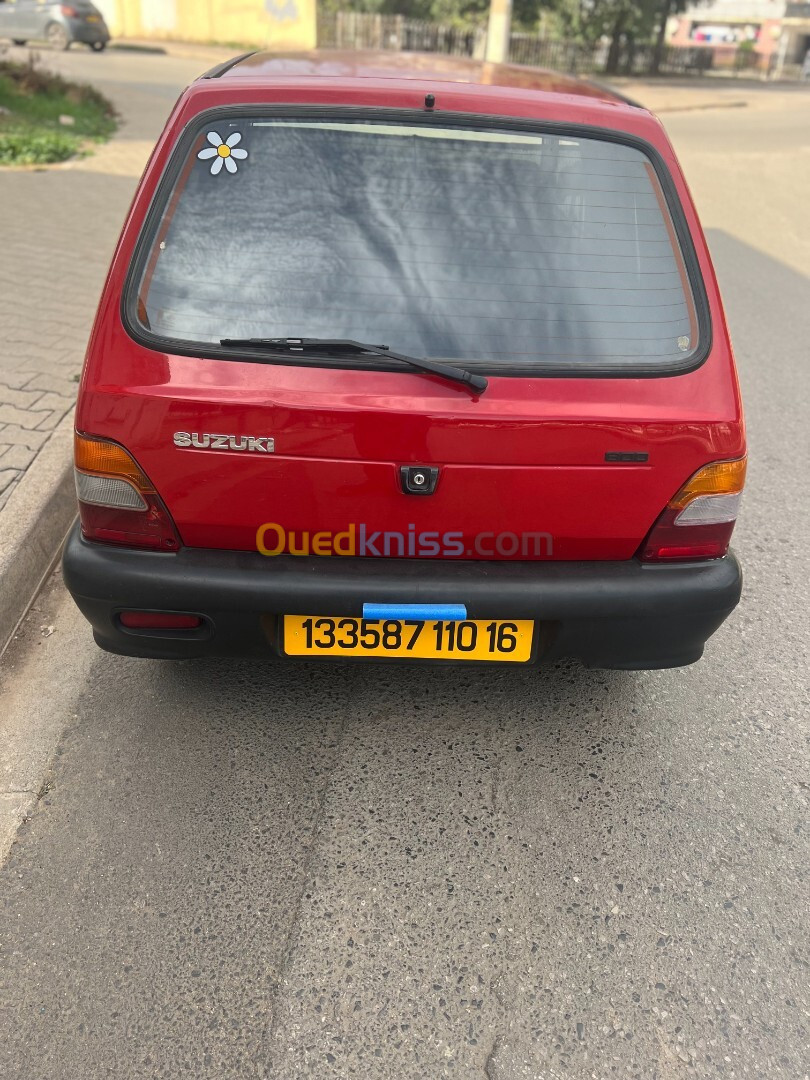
(58, 24)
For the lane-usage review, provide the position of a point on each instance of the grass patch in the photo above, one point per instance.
(32, 101)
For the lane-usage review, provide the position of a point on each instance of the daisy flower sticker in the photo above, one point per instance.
(224, 152)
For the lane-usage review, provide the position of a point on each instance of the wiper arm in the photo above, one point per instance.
(291, 346)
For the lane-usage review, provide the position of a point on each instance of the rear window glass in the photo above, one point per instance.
(491, 247)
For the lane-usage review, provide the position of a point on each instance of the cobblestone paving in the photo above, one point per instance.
(54, 257)
(58, 228)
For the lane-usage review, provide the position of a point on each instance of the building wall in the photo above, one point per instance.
(724, 54)
(736, 11)
(276, 24)
(797, 40)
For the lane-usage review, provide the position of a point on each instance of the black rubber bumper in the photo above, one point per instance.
(607, 614)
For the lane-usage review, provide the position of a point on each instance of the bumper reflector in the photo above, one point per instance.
(158, 620)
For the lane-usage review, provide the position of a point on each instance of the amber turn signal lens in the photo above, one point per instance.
(719, 478)
(98, 457)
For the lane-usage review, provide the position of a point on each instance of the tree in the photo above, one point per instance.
(623, 22)
(469, 13)
(667, 8)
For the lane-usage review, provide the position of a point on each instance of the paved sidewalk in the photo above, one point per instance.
(53, 264)
(59, 227)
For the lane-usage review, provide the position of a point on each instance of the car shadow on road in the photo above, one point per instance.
(493, 726)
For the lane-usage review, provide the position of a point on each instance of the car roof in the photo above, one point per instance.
(436, 67)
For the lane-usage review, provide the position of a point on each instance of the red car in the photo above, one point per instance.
(408, 357)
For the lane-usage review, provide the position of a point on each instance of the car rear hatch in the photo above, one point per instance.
(556, 263)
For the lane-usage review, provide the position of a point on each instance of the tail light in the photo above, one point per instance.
(68, 11)
(698, 522)
(117, 502)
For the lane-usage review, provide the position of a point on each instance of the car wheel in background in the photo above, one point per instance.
(98, 46)
(57, 36)
(19, 41)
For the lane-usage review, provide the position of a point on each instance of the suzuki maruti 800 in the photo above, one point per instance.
(408, 358)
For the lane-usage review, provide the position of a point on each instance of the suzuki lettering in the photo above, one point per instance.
(185, 440)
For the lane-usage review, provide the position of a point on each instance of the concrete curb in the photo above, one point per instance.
(33, 525)
(185, 50)
(49, 655)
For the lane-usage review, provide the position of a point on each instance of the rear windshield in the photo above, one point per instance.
(492, 247)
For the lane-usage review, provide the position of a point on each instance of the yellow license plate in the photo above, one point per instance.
(483, 639)
(93, 18)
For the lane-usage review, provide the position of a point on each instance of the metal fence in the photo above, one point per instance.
(359, 30)
(632, 59)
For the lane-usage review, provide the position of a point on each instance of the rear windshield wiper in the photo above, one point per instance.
(336, 346)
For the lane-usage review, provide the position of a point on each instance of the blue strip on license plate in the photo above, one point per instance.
(447, 612)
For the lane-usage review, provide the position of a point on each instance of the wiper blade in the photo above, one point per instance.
(291, 346)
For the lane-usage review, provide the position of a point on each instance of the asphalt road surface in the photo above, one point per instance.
(241, 871)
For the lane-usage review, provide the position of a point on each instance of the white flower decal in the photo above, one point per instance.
(223, 152)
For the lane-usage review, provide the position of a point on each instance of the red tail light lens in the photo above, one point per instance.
(69, 12)
(699, 520)
(117, 502)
